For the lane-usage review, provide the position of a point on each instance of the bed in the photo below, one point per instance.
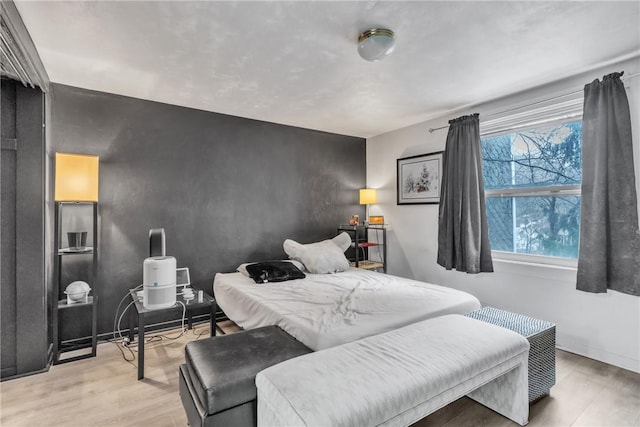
(325, 310)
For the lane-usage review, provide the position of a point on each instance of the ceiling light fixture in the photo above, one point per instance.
(376, 44)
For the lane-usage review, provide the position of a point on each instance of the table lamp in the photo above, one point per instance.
(367, 197)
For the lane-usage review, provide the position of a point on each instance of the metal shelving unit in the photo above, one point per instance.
(59, 346)
(362, 243)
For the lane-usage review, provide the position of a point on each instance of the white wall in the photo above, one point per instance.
(601, 326)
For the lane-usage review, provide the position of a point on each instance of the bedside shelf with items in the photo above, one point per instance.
(64, 303)
(368, 246)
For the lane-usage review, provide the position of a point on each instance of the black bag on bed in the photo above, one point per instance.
(274, 271)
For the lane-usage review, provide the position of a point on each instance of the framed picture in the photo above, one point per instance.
(419, 179)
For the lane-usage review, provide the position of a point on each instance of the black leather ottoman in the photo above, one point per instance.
(217, 382)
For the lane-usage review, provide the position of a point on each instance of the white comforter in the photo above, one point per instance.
(325, 310)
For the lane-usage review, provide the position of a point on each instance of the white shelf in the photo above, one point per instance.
(368, 265)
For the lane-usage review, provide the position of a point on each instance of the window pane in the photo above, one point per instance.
(535, 225)
(500, 220)
(533, 158)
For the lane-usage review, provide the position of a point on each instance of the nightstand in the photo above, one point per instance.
(367, 242)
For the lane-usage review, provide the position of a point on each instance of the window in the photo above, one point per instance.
(532, 179)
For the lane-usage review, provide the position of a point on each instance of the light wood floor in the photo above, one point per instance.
(103, 391)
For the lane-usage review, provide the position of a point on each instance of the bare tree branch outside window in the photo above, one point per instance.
(534, 159)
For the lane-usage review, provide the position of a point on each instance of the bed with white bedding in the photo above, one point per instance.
(325, 310)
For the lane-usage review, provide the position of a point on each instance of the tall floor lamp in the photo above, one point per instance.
(76, 182)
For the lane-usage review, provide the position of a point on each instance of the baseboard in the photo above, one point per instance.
(600, 354)
(108, 336)
(158, 327)
(6, 373)
(10, 373)
(26, 374)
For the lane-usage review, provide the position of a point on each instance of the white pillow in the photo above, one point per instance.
(321, 257)
(242, 268)
(343, 240)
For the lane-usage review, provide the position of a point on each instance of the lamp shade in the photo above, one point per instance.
(368, 196)
(76, 178)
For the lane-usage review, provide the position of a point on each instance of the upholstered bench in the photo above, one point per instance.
(398, 377)
(217, 382)
(542, 338)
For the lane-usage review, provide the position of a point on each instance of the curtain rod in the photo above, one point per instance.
(431, 130)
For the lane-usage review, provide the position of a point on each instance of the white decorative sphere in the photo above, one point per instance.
(77, 291)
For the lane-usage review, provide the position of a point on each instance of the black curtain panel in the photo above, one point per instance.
(609, 237)
(463, 237)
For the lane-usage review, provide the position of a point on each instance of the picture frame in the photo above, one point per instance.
(419, 179)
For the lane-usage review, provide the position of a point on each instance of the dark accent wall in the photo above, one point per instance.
(226, 189)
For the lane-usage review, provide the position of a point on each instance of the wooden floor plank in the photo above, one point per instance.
(618, 404)
(104, 391)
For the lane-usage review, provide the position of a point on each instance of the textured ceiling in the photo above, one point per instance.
(296, 63)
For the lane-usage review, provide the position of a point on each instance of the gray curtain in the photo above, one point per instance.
(463, 238)
(609, 237)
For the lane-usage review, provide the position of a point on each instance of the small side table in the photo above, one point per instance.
(542, 340)
(141, 311)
